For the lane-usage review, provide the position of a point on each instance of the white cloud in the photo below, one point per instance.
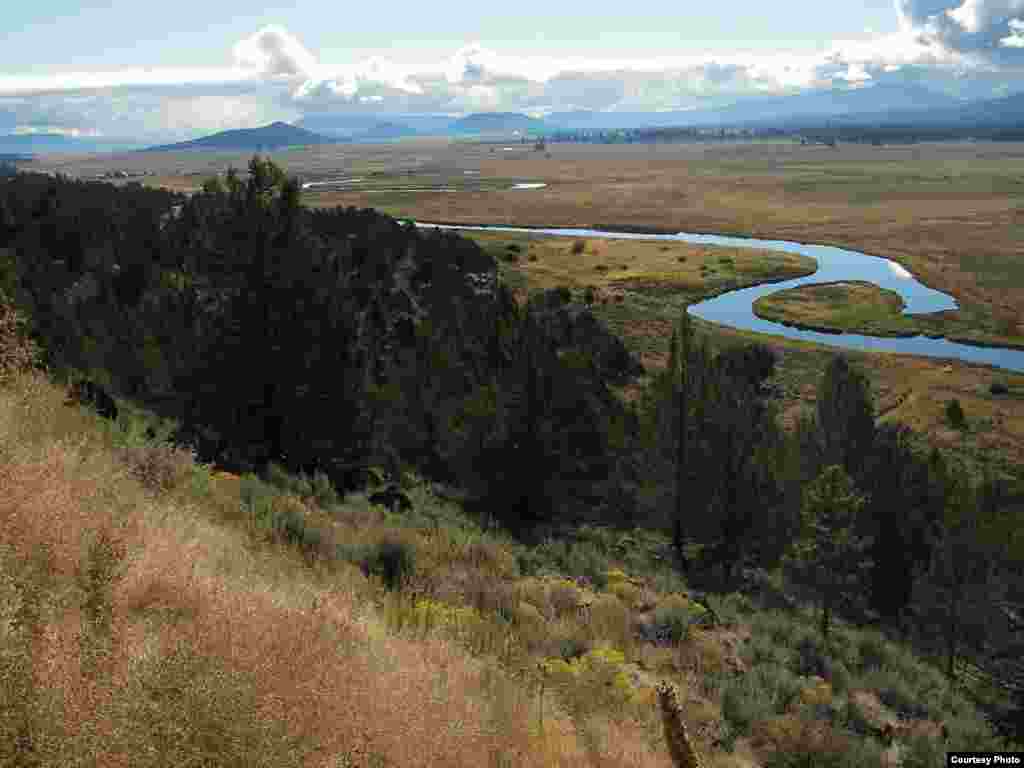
(275, 52)
(1016, 37)
(275, 77)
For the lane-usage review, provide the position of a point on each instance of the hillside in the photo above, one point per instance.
(285, 626)
(420, 502)
(273, 136)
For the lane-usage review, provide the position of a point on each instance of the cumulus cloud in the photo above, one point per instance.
(275, 52)
(978, 28)
(1016, 37)
(273, 76)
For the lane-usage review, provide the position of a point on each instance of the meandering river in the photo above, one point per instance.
(735, 308)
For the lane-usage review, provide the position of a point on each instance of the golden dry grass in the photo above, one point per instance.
(208, 649)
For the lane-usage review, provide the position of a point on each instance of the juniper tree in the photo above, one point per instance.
(829, 553)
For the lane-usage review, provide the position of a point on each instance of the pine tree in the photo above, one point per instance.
(829, 552)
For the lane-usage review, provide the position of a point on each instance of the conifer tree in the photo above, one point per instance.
(829, 552)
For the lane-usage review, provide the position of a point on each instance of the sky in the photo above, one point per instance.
(129, 69)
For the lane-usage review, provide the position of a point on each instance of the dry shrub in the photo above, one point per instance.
(811, 741)
(490, 557)
(564, 597)
(535, 592)
(17, 352)
(489, 594)
(656, 659)
(160, 468)
(701, 654)
(626, 592)
(610, 623)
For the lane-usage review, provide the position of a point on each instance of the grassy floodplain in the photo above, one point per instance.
(951, 213)
(848, 306)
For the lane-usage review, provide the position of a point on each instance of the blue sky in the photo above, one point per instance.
(117, 68)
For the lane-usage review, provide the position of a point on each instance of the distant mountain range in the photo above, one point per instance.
(274, 136)
(52, 143)
(366, 126)
(503, 123)
(910, 109)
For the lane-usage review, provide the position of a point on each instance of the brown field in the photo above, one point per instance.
(950, 213)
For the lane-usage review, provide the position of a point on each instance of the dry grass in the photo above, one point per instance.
(611, 267)
(139, 630)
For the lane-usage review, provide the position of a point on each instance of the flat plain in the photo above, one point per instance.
(951, 213)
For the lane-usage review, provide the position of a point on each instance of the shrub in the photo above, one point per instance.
(511, 257)
(839, 676)
(515, 247)
(393, 559)
(744, 703)
(810, 658)
(563, 597)
(802, 744)
(578, 247)
(589, 295)
(955, 414)
(780, 685)
(323, 490)
(610, 622)
(626, 592)
(921, 751)
(899, 697)
(998, 388)
(873, 651)
(673, 617)
(160, 468)
(17, 351)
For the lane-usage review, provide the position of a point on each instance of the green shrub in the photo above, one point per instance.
(761, 650)
(923, 752)
(998, 388)
(674, 616)
(854, 719)
(780, 685)
(744, 703)
(810, 659)
(955, 414)
(898, 696)
(839, 676)
(873, 651)
(392, 559)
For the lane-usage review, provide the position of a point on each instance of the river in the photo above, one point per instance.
(735, 308)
